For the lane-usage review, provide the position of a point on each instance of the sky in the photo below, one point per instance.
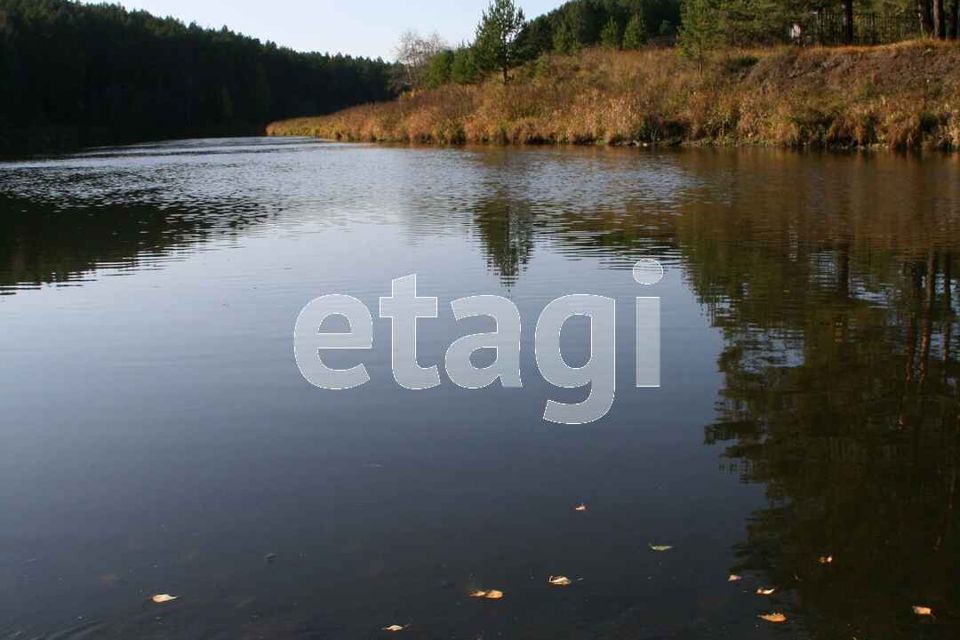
(357, 27)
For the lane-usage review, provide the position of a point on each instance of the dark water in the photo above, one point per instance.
(157, 437)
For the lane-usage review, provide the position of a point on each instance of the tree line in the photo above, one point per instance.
(76, 74)
(836, 22)
(504, 38)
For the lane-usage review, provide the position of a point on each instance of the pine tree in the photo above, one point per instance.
(464, 70)
(610, 36)
(496, 45)
(699, 31)
(564, 39)
(439, 70)
(635, 35)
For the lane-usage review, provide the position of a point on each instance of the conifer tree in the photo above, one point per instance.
(635, 34)
(699, 30)
(610, 36)
(496, 45)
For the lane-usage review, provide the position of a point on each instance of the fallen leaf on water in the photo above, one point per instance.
(766, 592)
(394, 628)
(494, 594)
(661, 547)
(559, 581)
(825, 559)
(581, 508)
(734, 578)
(922, 611)
(776, 618)
(160, 598)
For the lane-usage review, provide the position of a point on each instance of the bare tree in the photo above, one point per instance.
(413, 53)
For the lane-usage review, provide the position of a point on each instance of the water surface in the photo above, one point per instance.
(157, 437)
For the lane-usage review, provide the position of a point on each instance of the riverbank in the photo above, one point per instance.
(898, 96)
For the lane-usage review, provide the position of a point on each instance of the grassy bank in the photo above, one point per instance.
(898, 96)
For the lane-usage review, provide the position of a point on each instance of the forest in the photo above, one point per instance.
(505, 39)
(74, 74)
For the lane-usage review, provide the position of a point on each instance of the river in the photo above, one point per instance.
(157, 437)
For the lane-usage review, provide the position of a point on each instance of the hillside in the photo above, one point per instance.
(896, 96)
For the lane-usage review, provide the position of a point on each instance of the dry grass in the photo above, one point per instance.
(899, 96)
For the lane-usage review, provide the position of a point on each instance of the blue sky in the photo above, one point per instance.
(358, 27)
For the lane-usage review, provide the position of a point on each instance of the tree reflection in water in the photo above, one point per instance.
(837, 300)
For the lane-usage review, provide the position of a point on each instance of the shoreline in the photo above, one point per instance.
(679, 145)
(902, 97)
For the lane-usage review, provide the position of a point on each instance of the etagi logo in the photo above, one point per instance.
(404, 307)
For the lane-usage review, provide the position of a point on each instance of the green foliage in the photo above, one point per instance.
(535, 39)
(440, 69)
(699, 30)
(496, 46)
(611, 36)
(564, 39)
(635, 35)
(752, 22)
(92, 74)
(748, 23)
(463, 69)
(584, 19)
(584, 23)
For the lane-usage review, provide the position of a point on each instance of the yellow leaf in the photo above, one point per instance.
(560, 581)
(734, 578)
(478, 594)
(581, 508)
(160, 598)
(776, 618)
(825, 560)
(766, 592)
(394, 628)
(493, 594)
(922, 611)
(661, 547)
